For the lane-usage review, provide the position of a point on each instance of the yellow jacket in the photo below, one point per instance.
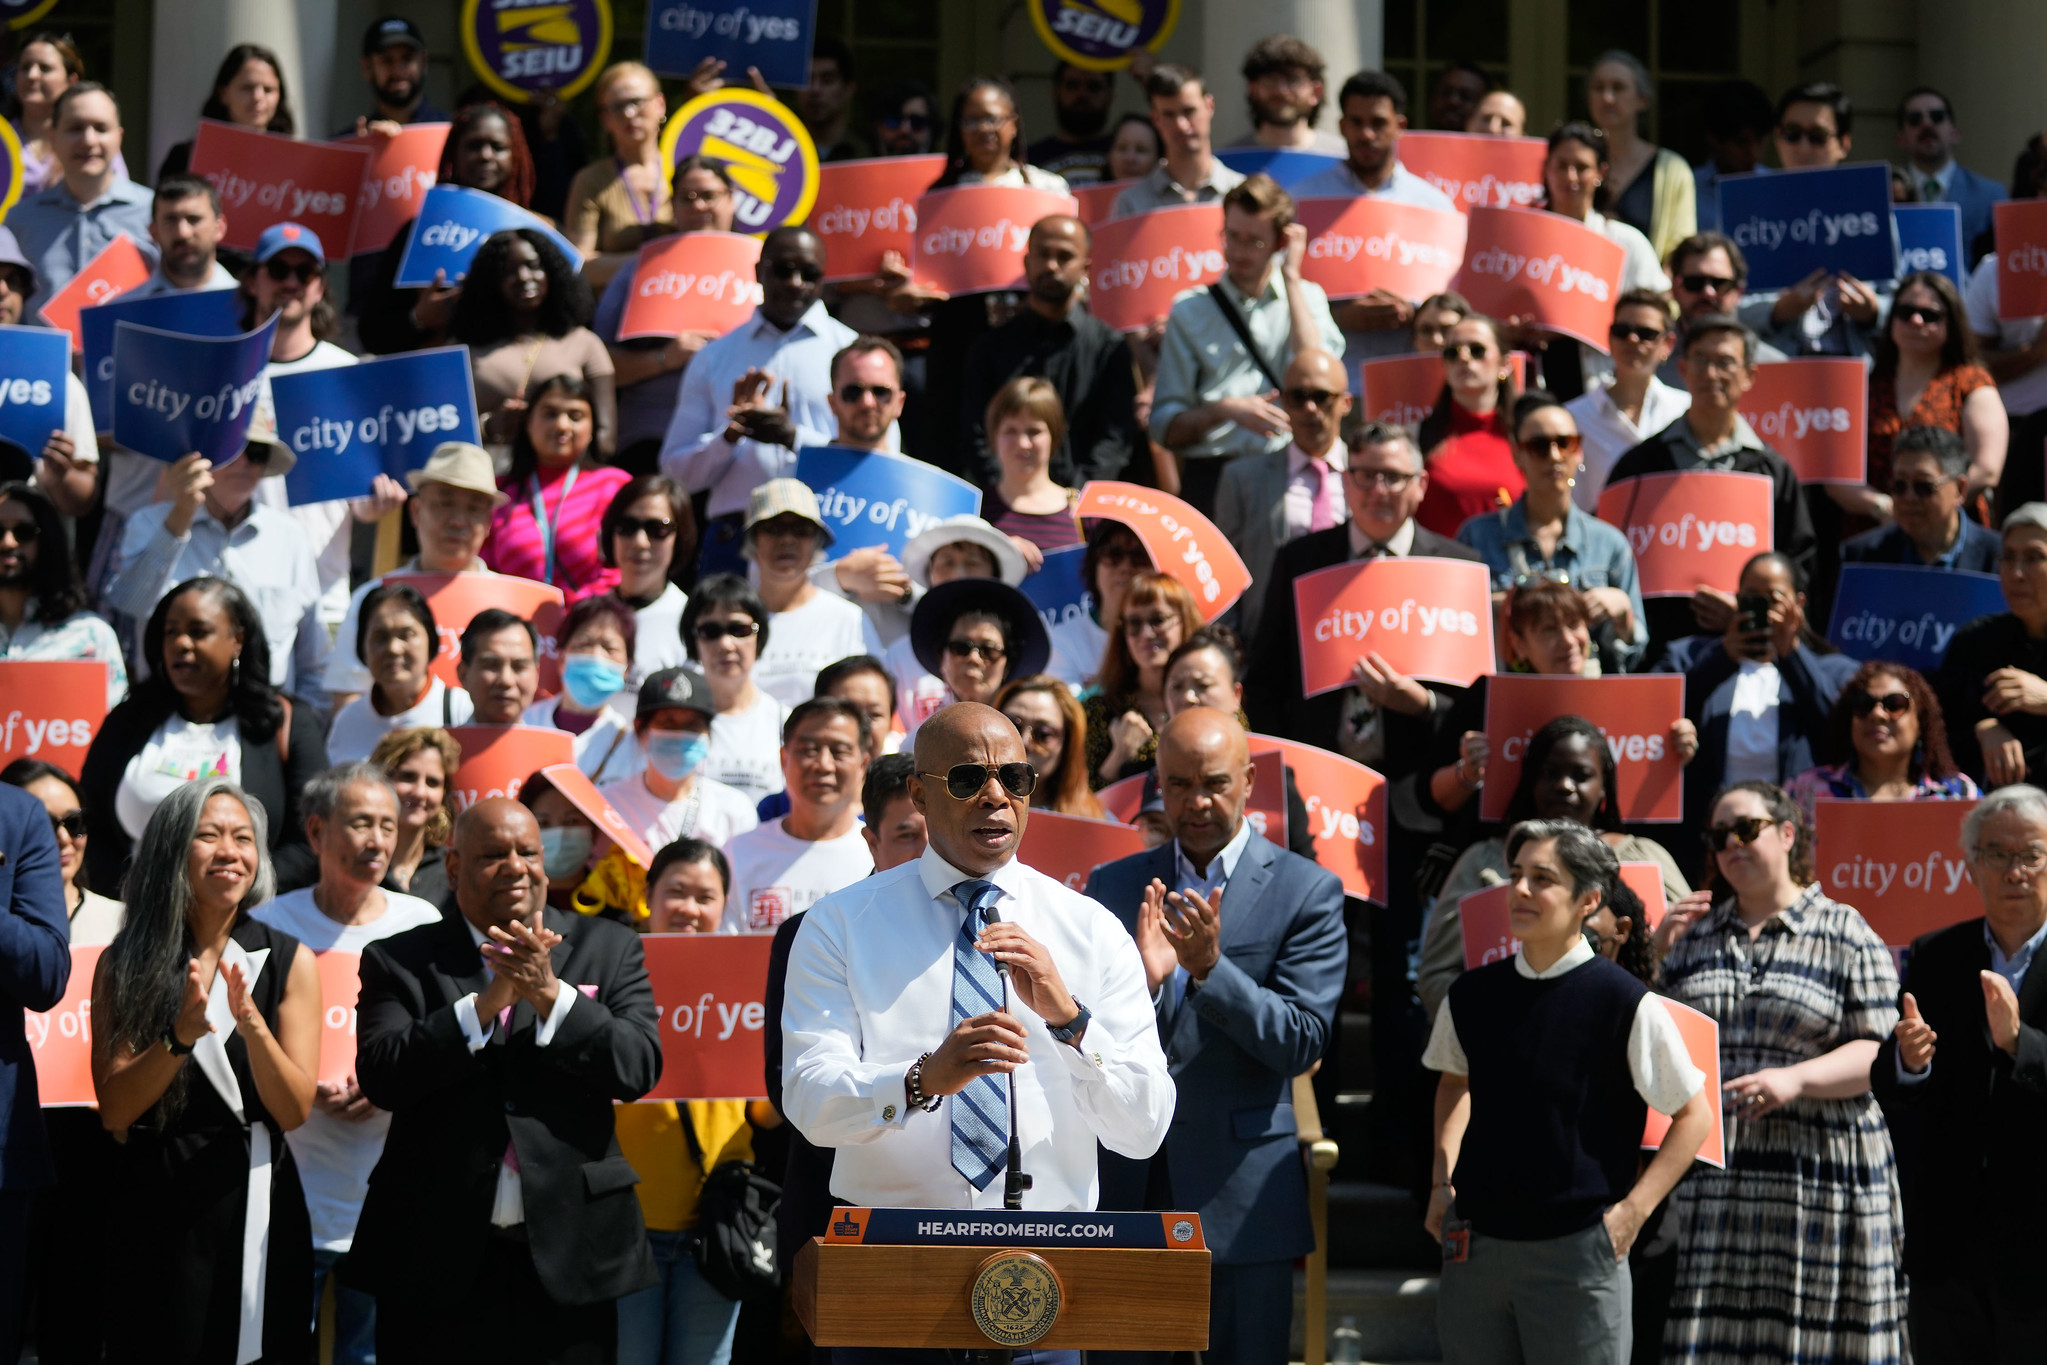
(652, 1136)
(1674, 210)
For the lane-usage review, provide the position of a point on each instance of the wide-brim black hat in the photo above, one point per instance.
(1030, 644)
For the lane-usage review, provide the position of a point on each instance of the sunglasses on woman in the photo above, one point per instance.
(1861, 704)
(72, 824)
(1542, 446)
(707, 631)
(1920, 313)
(1743, 831)
(653, 528)
(965, 781)
(1464, 350)
(967, 649)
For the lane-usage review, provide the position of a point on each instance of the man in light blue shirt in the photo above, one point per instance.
(1182, 112)
(1217, 397)
(754, 396)
(71, 222)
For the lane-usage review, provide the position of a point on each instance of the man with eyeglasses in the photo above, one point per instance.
(1284, 87)
(1963, 1079)
(1929, 472)
(1719, 367)
(751, 398)
(901, 1041)
(785, 866)
(1616, 415)
(1993, 681)
(1077, 151)
(1244, 945)
(1928, 135)
(905, 123)
(1707, 276)
(1225, 346)
(1055, 338)
(1276, 496)
(453, 496)
(1183, 111)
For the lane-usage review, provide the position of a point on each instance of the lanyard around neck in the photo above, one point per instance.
(550, 530)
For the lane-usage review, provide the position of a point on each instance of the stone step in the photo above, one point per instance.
(1395, 1313)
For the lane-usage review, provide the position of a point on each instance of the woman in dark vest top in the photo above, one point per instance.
(1550, 1060)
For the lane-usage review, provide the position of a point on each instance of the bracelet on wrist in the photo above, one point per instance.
(174, 1047)
(913, 1087)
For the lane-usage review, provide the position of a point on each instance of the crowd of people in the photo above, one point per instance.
(840, 746)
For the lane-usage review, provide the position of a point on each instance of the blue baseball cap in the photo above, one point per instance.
(284, 236)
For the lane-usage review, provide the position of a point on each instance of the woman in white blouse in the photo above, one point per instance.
(396, 639)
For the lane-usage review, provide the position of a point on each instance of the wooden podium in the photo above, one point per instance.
(1000, 1279)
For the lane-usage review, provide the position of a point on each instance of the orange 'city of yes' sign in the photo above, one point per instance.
(1123, 799)
(712, 993)
(456, 598)
(268, 178)
(1898, 862)
(401, 170)
(340, 984)
(1691, 529)
(2020, 227)
(970, 239)
(497, 759)
(1358, 245)
(694, 282)
(582, 793)
(1646, 881)
(1069, 847)
(1180, 541)
(1635, 715)
(1535, 264)
(1403, 389)
(867, 207)
(1139, 263)
(1427, 617)
(61, 1040)
(1346, 808)
(1098, 201)
(1477, 171)
(51, 709)
(1813, 412)
(119, 267)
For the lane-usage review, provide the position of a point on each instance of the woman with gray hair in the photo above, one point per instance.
(206, 1039)
(1650, 188)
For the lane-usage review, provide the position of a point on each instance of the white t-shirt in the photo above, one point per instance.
(822, 631)
(1077, 648)
(657, 637)
(918, 693)
(1752, 725)
(327, 523)
(606, 752)
(774, 875)
(345, 672)
(357, 726)
(2024, 393)
(746, 749)
(710, 811)
(335, 1156)
(180, 751)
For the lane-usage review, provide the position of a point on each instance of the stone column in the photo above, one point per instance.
(1348, 33)
(190, 40)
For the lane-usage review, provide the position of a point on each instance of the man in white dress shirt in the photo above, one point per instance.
(888, 1066)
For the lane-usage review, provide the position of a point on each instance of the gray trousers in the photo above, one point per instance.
(1565, 1301)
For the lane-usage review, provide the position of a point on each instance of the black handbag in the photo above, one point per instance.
(734, 1241)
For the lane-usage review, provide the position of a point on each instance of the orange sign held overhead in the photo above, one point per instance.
(1476, 171)
(1358, 245)
(1181, 541)
(400, 171)
(868, 207)
(269, 178)
(1530, 263)
(694, 282)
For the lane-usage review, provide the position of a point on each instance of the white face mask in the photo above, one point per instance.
(563, 852)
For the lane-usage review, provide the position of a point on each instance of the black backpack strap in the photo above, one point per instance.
(1243, 331)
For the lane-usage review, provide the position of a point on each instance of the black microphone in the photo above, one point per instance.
(1014, 1181)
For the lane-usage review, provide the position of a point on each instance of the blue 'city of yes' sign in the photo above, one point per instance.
(870, 497)
(348, 424)
(774, 35)
(1930, 238)
(453, 225)
(1791, 223)
(34, 363)
(1908, 614)
(202, 313)
(1288, 168)
(175, 394)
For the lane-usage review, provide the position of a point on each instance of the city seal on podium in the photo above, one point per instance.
(1015, 1298)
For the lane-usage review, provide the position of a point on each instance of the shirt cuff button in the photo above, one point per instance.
(888, 1113)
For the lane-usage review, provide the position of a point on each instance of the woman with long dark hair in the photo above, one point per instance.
(486, 150)
(248, 91)
(524, 314)
(1054, 731)
(1886, 741)
(558, 492)
(207, 709)
(1465, 436)
(43, 602)
(1793, 1249)
(206, 1036)
(1127, 706)
(649, 534)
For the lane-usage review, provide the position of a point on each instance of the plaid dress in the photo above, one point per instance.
(1794, 1253)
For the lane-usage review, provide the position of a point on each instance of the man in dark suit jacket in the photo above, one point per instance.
(1970, 1113)
(35, 967)
(1930, 531)
(501, 1222)
(1244, 947)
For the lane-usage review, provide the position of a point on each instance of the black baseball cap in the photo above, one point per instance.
(391, 31)
(675, 687)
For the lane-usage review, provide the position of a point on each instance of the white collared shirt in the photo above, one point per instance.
(695, 451)
(1221, 867)
(1400, 546)
(1303, 486)
(870, 991)
(1657, 1060)
(1609, 434)
(508, 1205)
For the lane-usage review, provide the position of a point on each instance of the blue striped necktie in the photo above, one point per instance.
(980, 1113)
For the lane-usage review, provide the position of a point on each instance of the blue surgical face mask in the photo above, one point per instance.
(591, 679)
(675, 754)
(564, 851)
